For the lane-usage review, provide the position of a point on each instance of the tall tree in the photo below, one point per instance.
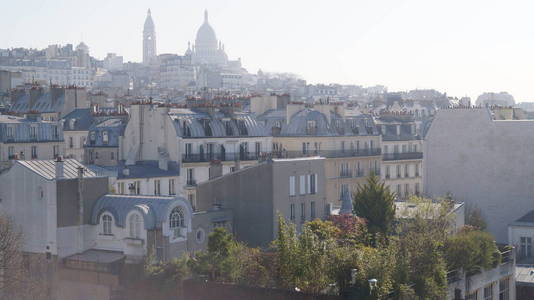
(375, 202)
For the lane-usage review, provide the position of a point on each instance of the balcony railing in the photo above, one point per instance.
(402, 156)
(328, 153)
(191, 182)
(345, 174)
(207, 157)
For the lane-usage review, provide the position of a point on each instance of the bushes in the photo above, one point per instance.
(471, 250)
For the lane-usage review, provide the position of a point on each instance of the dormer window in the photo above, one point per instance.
(105, 137)
(228, 128)
(92, 137)
(33, 132)
(176, 222)
(10, 132)
(186, 130)
(107, 221)
(311, 127)
(207, 127)
(135, 224)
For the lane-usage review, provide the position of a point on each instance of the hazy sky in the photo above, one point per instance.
(463, 47)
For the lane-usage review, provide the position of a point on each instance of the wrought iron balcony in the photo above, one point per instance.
(328, 153)
(403, 156)
(207, 157)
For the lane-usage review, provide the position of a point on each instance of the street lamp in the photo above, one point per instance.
(372, 285)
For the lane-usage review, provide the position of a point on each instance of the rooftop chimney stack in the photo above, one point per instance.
(60, 168)
(80, 172)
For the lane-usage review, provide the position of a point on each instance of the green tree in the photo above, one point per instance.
(471, 250)
(473, 217)
(374, 202)
(304, 261)
(324, 230)
(420, 250)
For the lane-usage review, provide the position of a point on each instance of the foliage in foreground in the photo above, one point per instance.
(341, 254)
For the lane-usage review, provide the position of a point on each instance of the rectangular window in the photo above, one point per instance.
(525, 247)
(472, 296)
(344, 189)
(416, 170)
(302, 184)
(121, 188)
(406, 190)
(138, 187)
(488, 292)
(398, 171)
(417, 189)
(10, 132)
(171, 187)
(399, 190)
(504, 289)
(157, 187)
(388, 172)
(188, 149)
(56, 132)
(33, 132)
(112, 155)
(302, 212)
(292, 211)
(312, 210)
(313, 183)
(406, 171)
(71, 142)
(190, 177)
(82, 142)
(291, 185)
(34, 152)
(404, 149)
(342, 146)
(10, 152)
(258, 148)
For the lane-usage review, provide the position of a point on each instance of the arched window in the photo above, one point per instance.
(106, 224)
(176, 221)
(135, 223)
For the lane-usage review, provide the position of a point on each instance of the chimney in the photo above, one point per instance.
(80, 172)
(55, 93)
(163, 163)
(59, 168)
(35, 94)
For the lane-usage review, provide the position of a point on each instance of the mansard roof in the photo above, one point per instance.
(197, 123)
(154, 209)
(349, 125)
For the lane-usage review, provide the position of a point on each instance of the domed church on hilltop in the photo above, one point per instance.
(207, 49)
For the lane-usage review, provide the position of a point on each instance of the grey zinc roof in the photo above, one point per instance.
(79, 119)
(147, 169)
(47, 168)
(525, 220)
(20, 128)
(197, 123)
(114, 128)
(42, 105)
(338, 126)
(154, 209)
